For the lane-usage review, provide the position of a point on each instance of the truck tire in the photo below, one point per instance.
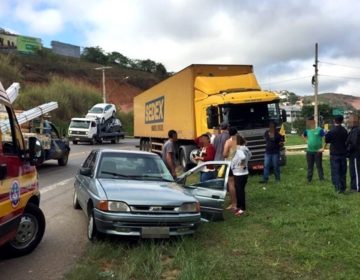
(75, 142)
(92, 141)
(141, 146)
(30, 232)
(64, 160)
(184, 157)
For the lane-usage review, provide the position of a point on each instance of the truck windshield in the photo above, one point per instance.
(251, 115)
(79, 124)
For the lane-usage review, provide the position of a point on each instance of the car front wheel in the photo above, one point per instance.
(30, 231)
(92, 231)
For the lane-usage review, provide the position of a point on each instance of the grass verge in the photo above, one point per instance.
(292, 230)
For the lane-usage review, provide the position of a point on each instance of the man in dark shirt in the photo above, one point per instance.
(219, 141)
(353, 149)
(274, 142)
(336, 137)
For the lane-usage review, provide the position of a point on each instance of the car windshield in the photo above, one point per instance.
(133, 167)
(79, 124)
(96, 110)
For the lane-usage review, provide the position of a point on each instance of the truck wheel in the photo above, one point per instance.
(92, 141)
(141, 146)
(75, 142)
(76, 204)
(64, 160)
(30, 232)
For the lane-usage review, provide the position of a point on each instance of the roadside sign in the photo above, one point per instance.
(337, 112)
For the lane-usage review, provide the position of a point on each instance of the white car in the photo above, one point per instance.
(102, 111)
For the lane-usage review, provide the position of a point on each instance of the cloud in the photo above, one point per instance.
(39, 19)
(277, 37)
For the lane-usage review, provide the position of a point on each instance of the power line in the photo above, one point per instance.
(342, 65)
(285, 81)
(340, 77)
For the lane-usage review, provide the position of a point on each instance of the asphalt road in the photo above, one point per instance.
(65, 236)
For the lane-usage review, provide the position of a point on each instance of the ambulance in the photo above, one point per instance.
(22, 223)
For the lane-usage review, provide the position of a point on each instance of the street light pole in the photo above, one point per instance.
(102, 68)
(316, 87)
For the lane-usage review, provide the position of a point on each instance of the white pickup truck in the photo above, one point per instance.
(95, 131)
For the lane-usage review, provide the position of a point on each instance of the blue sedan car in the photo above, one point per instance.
(131, 193)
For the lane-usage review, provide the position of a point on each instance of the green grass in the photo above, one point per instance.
(294, 139)
(292, 230)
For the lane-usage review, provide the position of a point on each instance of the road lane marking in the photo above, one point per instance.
(54, 186)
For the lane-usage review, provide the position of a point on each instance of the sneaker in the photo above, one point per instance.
(239, 213)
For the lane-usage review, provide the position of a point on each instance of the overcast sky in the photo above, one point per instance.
(277, 37)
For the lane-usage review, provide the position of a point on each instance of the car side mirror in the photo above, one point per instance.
(283, 115)
(85, 171)
(34, 150)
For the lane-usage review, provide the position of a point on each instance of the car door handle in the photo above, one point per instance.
(215, 196)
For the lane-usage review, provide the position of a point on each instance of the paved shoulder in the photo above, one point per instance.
(63, 243)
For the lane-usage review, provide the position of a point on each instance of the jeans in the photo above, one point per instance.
(354, 168)
(314, 157)
(206, 176)
(271, 160)
(338, 172)
(240, 183)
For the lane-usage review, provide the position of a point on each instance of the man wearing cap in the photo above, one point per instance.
(219, 141)
(336, 137)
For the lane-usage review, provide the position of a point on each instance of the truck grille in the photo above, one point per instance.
(74, 132)
(257, 145)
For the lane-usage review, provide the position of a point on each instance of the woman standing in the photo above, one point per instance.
(229, 153)
(239, 166)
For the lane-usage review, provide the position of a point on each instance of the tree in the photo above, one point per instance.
(325, 111)
(95, 54)
(160, 71)
(118, 58)
(292, 98)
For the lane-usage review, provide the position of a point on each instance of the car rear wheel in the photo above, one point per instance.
(76, 204)
(30, 231)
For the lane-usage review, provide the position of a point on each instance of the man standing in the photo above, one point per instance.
(219, 141)
(274, 141)
(336, 137)
(207, 153)
(353, 149)
(168, 152)
(314, 138)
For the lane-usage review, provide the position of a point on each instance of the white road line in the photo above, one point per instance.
(54, 186)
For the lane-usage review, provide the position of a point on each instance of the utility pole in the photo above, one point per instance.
(316, 87)
(103, 80)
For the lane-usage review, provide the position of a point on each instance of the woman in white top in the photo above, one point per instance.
(239, 167)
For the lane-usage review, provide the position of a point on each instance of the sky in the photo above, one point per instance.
(277, 37)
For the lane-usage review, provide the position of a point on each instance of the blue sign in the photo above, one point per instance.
(154, 110)
(15, 194)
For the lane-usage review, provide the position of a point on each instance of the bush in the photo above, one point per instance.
(9, 70)
(74, 99)
(127, 120)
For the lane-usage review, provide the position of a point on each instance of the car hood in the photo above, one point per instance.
(146, 192)
(93, 115)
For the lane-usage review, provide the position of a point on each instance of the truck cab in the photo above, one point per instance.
(22, 223)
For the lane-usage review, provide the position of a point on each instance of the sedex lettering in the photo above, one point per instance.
(154, 110)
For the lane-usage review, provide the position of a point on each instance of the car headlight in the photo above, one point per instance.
(113, 206)
(70, 131)
(190, 207)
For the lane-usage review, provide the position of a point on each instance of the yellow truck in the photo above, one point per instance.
(197, 99)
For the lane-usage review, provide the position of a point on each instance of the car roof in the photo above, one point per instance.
(102, 105)
(106, 150)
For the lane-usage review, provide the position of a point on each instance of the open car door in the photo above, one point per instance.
(209, 192)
